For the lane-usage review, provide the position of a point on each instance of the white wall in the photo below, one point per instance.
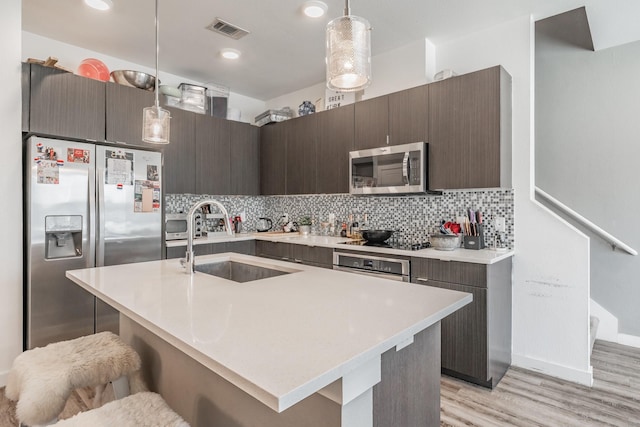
(10, 173)
(551, 266)
(69, 56)
(588, 155)
(399, 69)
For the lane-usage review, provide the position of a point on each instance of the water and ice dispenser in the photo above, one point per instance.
(63, 236)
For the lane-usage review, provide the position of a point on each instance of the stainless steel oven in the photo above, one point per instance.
(385, 267)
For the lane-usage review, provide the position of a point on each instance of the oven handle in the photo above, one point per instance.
(397, 278)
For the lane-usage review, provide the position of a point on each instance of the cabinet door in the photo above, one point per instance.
(273, 158)
(301, 154)
(464, 334)
(464, 131)
(124, 114)
(312, 255)
(372, 123)
(424, 270)
(408, 116)
(63, 104)
(246, 247)
(212, 155)
(26, 91)
(180, 154)
(176, 252)
(245, 159)
(335, 141)
(275, 250)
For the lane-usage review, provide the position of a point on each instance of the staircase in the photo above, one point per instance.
(593, 329)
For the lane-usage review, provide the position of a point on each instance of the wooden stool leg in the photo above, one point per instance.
(97, 397)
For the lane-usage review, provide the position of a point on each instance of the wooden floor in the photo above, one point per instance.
(523, 398)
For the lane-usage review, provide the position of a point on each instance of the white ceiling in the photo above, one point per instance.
(285, 50)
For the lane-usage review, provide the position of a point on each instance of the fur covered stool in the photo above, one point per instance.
(143, 409)
(42, 379)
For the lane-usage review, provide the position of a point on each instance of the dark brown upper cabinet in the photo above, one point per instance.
(273, 159)
(63, 104)
(409, 116)
(371, 123)
(245, 158)
(124, 114)
(180, 154)
(470, 131)
(213, 174)
(398, 118)
(335, 140)
(301, 136)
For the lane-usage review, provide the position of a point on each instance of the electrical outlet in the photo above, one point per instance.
(500, 224)
(285, 217)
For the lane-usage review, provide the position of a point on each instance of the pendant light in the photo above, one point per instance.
(155, 120)
(348, 52)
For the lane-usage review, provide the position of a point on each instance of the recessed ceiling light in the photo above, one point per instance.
(230, 53)
(314, 9)
(100, 4)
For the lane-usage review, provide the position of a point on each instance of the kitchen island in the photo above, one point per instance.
(311, 347)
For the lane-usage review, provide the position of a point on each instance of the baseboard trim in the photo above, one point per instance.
(554, 370)
(630, 340)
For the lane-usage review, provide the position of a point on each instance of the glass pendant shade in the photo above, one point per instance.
(155, 120)
(155, 125)
(348, 54)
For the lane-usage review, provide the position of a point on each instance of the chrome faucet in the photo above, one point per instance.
(189, 261)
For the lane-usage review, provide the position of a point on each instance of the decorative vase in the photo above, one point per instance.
(304, 229)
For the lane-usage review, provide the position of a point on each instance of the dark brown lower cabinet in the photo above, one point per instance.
(476, 340)
(245, 247)
(301, 254)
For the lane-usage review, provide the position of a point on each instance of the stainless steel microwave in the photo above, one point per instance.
(175, 226)
(394, 169)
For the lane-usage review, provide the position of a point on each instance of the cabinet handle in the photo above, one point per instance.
(422, 279)
(387, 139)
(284, 258)
(297, 260)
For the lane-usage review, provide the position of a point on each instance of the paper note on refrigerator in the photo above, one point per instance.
(146, 196)
(119, 167)
(48, 172)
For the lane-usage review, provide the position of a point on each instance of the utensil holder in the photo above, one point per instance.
(475, 242)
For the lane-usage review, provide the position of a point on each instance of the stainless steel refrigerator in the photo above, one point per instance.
(86, 205)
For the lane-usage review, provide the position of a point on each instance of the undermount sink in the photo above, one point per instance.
(239, 271)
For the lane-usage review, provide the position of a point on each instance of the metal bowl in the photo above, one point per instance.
(444, 242)
(136, 79)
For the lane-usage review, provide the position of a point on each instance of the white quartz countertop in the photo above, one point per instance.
(279, 339)
(482, 256)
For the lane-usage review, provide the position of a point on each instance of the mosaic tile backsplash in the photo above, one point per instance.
(413, 216)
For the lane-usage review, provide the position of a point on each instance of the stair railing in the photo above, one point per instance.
(613, 241)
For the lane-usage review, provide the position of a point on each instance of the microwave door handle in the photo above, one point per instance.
(405, 168)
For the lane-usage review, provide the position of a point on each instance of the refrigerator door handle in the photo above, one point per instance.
(91, 200)
(100, 217)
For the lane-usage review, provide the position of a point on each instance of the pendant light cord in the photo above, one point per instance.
(157, 52)
(347, 9)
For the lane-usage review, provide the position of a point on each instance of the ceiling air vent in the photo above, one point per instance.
(226, 29)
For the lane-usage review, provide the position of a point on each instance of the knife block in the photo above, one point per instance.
(475, 242)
